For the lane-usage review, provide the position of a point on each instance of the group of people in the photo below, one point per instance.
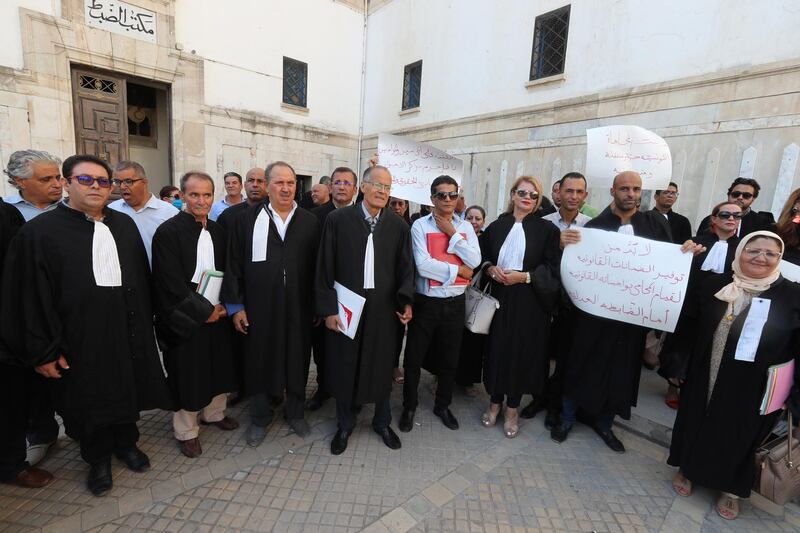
(235, 296)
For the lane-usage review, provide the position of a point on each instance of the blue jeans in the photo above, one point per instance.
(568, 416)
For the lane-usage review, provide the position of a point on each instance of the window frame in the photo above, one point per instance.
(286, 97)
(407, 71)
(534, 74)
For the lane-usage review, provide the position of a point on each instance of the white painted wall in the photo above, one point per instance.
(10, 37)
(476, 54)
(244, 41)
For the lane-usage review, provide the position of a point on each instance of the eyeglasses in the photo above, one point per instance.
(127, 183)
(533, 195)
(88, 181)
(380, 186)
(728, 215)
(737, 194)
(342, 183)
(670, 193)
(452, 195)
(752, 253)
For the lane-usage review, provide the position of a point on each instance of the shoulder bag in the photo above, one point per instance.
(778, 468)
(480, 305)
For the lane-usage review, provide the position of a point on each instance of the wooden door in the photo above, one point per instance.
(101, 126)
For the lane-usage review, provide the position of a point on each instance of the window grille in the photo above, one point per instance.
(550, 43)
(295, 82)
(412, 84)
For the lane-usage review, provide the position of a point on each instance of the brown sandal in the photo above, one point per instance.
(681, 485)
(728, 507)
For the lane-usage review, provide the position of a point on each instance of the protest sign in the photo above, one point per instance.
(414, 166)
(614, 149)
(626, 278)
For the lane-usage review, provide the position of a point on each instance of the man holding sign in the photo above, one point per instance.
(603, 363)
(446, 251)
(367, 250)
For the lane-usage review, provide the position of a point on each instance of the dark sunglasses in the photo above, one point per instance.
(737, 194)
(453, 195)
(88, 181)
(533, 195)
(176, 196)
(727, 215)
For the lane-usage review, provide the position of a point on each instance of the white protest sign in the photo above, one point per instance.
(626, 278)
(414, 166)
(614, 149)
(790, 271)
(122, 18)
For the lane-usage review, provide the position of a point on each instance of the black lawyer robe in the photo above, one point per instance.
(679, 226)
(198, 356)
(516, 356)
(360, 370)
(52, 307)
(277, 295)
(714, 443)
(229, 215)
(603, 364)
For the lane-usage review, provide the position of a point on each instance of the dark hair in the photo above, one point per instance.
(444, 179)
(479, 208)
(348, 170)
(234, 174)
(196, 174)
(785, 227)
(167, 190)
(574, 176)
(274, 164)
(746, 181)
(74, 160)
(671, 184)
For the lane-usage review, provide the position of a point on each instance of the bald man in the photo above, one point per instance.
(604, 362)
(320, 194)
(255, 188)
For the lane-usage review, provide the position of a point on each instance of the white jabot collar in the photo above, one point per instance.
(205, 255)
(105, 258)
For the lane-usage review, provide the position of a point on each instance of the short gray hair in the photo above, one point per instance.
(20, 164)
(196, 174)
(371, 169)
(137, 168)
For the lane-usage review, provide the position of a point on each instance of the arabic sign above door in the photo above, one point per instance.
(122, 18)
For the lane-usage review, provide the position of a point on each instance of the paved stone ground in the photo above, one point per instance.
(473, 479)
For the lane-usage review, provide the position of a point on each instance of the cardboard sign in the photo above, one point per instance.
(614, 149)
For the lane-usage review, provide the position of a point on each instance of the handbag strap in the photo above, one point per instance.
(791, 440)
(476, 280)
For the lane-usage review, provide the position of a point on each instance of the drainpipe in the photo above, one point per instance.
(363, 85)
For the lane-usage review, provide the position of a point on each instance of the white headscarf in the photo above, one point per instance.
(732, 291)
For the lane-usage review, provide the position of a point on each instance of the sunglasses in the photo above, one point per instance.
(176, 196)
(452, 195)
(728, 215)
(533, 195)
(88, 181)
(752, 253)
(342, 183)
(737, 194)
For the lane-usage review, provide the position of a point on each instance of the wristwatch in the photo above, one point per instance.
(527, 277)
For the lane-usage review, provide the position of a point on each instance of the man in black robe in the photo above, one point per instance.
(13, 389)
(343, 183)
(194, 332)
(76, 306)
(366, 249)
(679, 225)
(268, 289)
(603, 364)
(743, 192)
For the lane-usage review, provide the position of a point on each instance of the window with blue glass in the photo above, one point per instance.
(550, 43)
(412, 84)
(295, 82)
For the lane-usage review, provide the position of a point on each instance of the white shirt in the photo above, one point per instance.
(219, 206)
(626, 229)
(147, 219)
(281, 224)
(429, 268)
(27, 209)
(562, 224)
(512, 253)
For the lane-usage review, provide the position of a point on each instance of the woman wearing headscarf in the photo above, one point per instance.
(523, 254)
(741, 328)
(789, 228)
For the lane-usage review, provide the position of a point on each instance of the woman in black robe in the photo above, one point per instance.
(470, 364)
(197, 355)
(400, 208)
(718, 427)
(523, 255)
(788, 228)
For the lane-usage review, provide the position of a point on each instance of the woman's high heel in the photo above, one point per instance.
(489, 418)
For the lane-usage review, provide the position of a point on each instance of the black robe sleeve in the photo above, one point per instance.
(405, 270)
(180, 309)
(324, 293)
(545, 278)
(236, 257)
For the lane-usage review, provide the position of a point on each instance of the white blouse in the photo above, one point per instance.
(512, 252)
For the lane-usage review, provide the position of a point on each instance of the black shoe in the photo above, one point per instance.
(339, 442)
(389, 437)
(99, 481)
(406, 420)
(552, 419)
(559, 433)
(610, 439)
(317, 400)
(531, 409)
(447, 418)
(134, 458)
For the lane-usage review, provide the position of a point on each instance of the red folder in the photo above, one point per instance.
(437, 247)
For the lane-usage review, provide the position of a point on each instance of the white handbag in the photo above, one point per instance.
(480, 306)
